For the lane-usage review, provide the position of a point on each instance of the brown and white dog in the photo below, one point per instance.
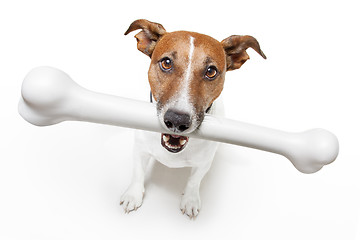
(186, 76)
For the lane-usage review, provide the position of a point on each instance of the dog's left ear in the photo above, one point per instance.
(148, 37)
(235, 48)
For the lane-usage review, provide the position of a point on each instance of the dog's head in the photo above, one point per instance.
(187, 74)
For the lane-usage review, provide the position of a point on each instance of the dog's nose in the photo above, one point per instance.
(177, 121)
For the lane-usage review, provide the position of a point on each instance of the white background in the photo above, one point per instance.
(65, 181)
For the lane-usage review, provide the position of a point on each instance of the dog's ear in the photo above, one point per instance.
(235, 48)
(148, 37)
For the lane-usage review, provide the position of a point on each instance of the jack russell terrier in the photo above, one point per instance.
(186, 76)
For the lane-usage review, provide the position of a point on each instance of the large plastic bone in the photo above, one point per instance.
(50, 96)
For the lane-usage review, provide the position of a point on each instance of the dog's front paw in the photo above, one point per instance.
(132, 198)
(190, 204)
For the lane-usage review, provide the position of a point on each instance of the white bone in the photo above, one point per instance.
(50, 96)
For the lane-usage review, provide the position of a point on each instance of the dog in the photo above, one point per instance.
(186, 76)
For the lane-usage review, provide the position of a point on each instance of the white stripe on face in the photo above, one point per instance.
(182, 101)
(188, 69)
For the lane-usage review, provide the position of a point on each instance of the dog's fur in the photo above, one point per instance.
(186, 76)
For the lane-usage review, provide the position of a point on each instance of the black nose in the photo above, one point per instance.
(177, 121)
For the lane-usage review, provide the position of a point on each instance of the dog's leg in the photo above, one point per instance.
(190, 201)
(133, 196)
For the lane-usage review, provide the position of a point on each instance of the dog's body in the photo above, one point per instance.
(186, 76)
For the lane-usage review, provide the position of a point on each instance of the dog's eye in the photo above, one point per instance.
(211, 73)
(166, 64)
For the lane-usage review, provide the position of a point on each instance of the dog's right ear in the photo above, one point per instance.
(148, 37)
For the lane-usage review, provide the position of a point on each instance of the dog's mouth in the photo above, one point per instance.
(173, 143)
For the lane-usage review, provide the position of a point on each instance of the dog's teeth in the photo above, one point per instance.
(171, 146)
(182, 141)
(166, 138)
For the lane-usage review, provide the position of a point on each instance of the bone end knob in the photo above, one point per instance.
(44, 91)
(314, 149)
